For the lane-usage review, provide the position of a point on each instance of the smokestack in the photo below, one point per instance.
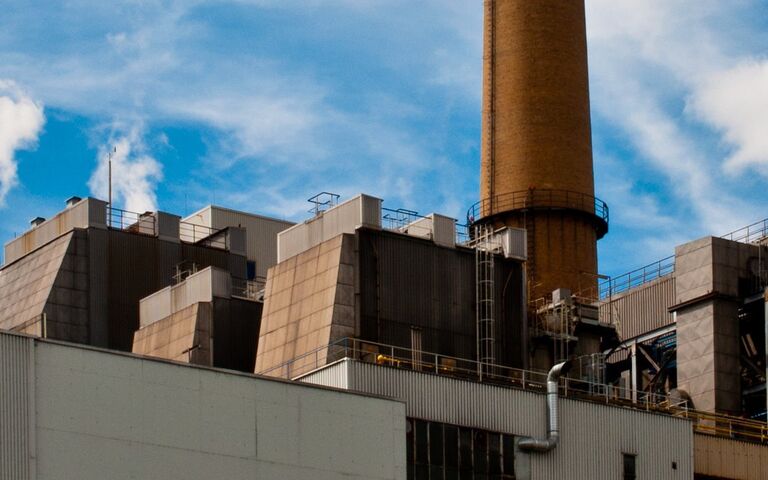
(536, 167)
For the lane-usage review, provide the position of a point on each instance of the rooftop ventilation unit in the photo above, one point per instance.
(72, 201)
(36, 221)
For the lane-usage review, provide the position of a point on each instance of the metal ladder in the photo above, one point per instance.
(485, 292)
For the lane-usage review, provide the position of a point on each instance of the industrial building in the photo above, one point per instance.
(375, 342)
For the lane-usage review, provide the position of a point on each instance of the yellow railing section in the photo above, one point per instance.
(408, 359)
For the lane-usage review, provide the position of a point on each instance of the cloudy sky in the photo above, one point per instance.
(259, 104)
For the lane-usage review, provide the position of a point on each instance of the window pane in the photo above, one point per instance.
(509, 454)
(480, 447)
(494, 453)
(465, 449)
(422, 472)
(451, 446)
(422, 455)
(435, 473)
(629, 467)
(436, 444)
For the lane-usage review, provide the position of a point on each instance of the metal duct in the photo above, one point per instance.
(553, 431)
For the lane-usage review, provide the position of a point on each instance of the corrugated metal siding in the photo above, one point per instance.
(261, 235)
(407, 281)
(721, 457)
(16, 396)
(335, 375)
(140, 265)
(643, 309)
(593, 436)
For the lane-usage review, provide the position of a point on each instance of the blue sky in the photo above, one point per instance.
(259, 104)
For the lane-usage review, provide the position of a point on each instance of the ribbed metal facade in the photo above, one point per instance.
(642, 309)
(16, 408)
(410, 283)
(261, 234)
(714, 457)
(593, 436)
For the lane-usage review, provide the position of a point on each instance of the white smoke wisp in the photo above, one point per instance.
(21, 119)
(135, 174)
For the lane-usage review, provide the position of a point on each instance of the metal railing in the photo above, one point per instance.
(627, 281)
(529, 380)
(403, 221)
(463, 236)
(141, 223)
(203, 235)
(249, 289)
(540, 199)
(322, 202)
(405, 358)
(755, 233)
(726, 426)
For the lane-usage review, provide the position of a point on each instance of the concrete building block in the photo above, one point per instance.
(167, 227)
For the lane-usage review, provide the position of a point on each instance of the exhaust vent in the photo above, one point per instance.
(72, 201)
(36, 221)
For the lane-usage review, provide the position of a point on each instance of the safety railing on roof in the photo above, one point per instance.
(463, 236)
(141, 223)
(437, 364)
(755, 233)
(250, 289)
(202, 235)
(536, 198)
(610, 287)
(405, 221)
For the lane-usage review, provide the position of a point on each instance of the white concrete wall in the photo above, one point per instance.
(346, 217)
(86, 213)
(199, 287)
(114, 416)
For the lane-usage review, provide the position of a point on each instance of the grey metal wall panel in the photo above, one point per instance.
(407, 282)
(139, 265)
(593, 436)
(111, 416)
(261, 235)
(16, 407)
(642, 309)
(336, 376)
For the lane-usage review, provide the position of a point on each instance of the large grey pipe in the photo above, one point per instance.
(553, 430)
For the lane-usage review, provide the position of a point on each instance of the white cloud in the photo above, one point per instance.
(646, 58)
(135, 173)
(21, 119)
(735, 101)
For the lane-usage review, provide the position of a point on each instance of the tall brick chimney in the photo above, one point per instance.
(536, 167)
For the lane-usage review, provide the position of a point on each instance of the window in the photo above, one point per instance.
(630, 472)
(251, 269)
(448, 452)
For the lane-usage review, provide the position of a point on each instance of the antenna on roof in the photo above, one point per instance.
(111, 152)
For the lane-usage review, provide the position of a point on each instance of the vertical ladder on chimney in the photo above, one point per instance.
(485, 290)
(529, 220)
